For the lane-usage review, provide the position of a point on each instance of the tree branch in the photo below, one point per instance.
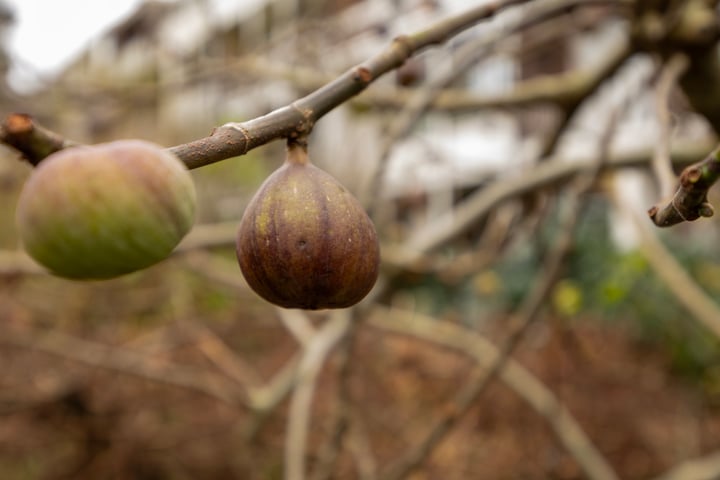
(299, 414)
(468, 55)
(33, 141)
(549, 173)
(678, 281)
(690, 200)
(557, 171)
(127, 361)
(703, 468)
(298, 118)
(662, 164)
(698, 30)
(527, 313)
(515, 376)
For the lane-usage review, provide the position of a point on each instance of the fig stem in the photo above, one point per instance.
(297, 151)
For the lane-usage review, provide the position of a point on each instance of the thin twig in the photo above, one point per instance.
(223, 357)
(553, 172)
(520, 380)
(690, 201)
(615, 60)
(703, 468)
(467, 55)
(269, 397)
(209, 235)
(34, 141)
(263, 399)
(560, 89)
(524, 317)
(163, 339)
(127, 361)
(299, 414)
(343, 420)
(17, 262)
(662, 165)
(297, 323)
(359, 445)
(299, 372)
(234, 139)
(481, 378)
(677, 280)
(475, 207)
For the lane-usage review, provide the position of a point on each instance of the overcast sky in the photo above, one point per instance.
(48, 33)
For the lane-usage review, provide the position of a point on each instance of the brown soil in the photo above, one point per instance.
(63, 420)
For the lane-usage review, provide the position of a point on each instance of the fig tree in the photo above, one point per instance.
(101, 211)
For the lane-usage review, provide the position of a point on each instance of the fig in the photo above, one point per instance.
(305, 241)
(101, 211)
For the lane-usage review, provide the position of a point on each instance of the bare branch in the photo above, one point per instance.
(269, 397)
(515, 376)
(299, 413)
(346, 427)
(677, 280)
(35, 142)
(552, 172)
(467, 56)
(615, 60)
(209, 235)
(225, 359)
(703, 468)
(298, 324)
(561, 89)
(662, 164)
(555, 171)
(127, 361)
(698, 24)
(359, 445)
(527, 313)
(17, 262)
(690, 200)
(298, 118)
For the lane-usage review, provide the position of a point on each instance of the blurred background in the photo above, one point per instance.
(508, 172)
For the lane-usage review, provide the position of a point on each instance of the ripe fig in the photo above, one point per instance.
(101, 211)
(305, 241)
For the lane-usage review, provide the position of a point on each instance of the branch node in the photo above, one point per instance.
(678, 210)
(692, 175)
(690, 201)
(305, 126)
(706, 210)
(34, 142)
(18, 123)
(406, 45)
(246, 135)
(363, 75)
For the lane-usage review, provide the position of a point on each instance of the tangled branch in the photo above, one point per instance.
(298, 118)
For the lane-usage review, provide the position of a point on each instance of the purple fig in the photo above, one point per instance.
(305, 241)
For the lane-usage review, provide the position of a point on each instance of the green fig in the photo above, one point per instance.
(101, 211)
(305, 241)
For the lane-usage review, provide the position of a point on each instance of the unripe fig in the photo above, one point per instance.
(95, 212)
(305, 241)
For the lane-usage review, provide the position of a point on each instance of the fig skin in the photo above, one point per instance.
(305, 241)
(101, 211)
